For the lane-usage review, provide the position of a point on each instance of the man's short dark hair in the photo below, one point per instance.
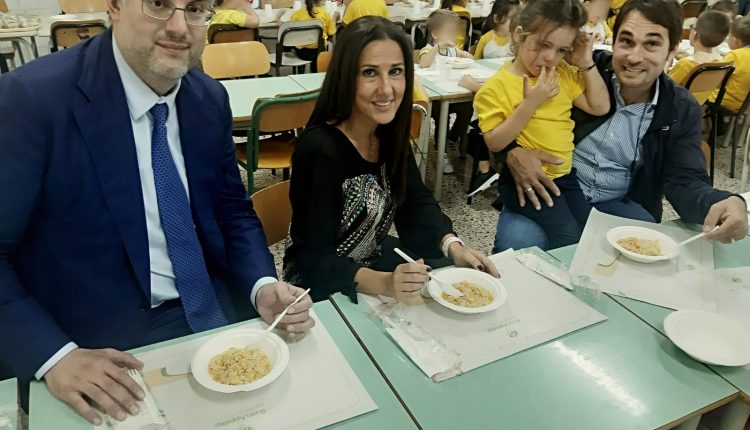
(725, 6)
(741, 29)
(712, 28)
(666, 13)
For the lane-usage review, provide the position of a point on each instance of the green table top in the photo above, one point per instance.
(734, 255)
(617, 374)
(244, 92)
(46, 412)
(8, 392)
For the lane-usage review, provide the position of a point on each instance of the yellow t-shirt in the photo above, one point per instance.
(229, 16)
(739, 83)
(600, 30)
(320, 12)
(616, 6)
(491, 45)
(460, 37)
(550, 128)
(360, 8)
(682, 69)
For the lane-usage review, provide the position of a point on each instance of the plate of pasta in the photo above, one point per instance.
(481, 291)
(642, 244)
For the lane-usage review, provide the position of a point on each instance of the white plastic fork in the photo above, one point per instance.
(445, 286)
(148, 398)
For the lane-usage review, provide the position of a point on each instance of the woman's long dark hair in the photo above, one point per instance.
(310, 5)
(339, 89)
(501, 10)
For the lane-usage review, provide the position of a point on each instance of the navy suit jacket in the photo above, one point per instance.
(74, 258)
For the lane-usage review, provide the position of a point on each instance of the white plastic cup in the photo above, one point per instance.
(445, 71)
(269, 10)
(415, 7)
(296, 5)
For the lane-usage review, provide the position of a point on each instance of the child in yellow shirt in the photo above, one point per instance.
(314, 9)
(457, 6)
(237, 12)
(739, 83)
(442, 27)
(359, 8)
(529, 102)
(708, 32)
(495, 42)
(597, 26)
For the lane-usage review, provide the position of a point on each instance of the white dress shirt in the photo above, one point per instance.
(141, 98)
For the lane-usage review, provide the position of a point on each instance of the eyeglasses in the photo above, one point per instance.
(197, 14)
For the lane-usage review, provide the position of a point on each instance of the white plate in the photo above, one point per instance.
(708, 337)
(270, 343)
(458, 274)
(459, 62)
(668, 246)
(64, 16)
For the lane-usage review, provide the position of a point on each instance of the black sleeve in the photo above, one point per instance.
(420, 222)
(686, 183)
(316, 197)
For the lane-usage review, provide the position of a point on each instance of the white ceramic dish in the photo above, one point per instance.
(708, 337)
(271, 344)
(460, 63)
(668, 245)
(458, 274)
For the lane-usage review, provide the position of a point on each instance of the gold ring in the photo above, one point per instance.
(529, 190)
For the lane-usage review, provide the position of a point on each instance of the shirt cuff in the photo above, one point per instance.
(65, 350)
(258, 284)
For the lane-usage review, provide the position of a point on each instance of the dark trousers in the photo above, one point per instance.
(310, 55)
(564, 221)
(463, 113)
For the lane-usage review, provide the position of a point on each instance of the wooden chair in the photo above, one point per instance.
(296, 33)
(280, 116)
(324, 58)
(65, 34)
(3, 6)
(235, 59)
(703, 80)
(693, 8)
(83, 6)
(274, 210)
(227, 33)
(277, 4)
(739, 124)
(419, 133)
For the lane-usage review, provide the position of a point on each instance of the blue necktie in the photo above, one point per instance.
(199, 301)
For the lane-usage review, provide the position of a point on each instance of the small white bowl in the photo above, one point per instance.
(668, 246)
(458, 274)
(708, 337)
(270, 343)
(459, 62)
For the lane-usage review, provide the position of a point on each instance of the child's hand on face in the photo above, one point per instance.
(582, 51)
(547, 86)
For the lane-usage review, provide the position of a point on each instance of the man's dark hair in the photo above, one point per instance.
(666, 13)
(712, 28)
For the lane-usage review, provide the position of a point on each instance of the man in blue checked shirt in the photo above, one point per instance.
(647, 147)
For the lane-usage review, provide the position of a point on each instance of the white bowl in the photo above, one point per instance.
(458, 274)
(668, 246)
(459, 62)
(270, 343)
(708, 337)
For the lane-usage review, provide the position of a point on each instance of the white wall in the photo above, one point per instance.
(40, 7)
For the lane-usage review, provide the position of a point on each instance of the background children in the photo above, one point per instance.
(456, 6)
(442, 27)
(727, 7)
(529, 102)
(495, 42)
(708, 32)
(237, 12)
(739, 83)
(596, 26)
(359, 8)
(314, 9)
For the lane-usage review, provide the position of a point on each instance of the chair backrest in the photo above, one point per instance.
(227, 33)
(283, 112)
(418, 114)
(277, 4)
(299, 33)
(464, 26)
(324, 58)
(65, 34)
(274, 210)
(707, 77)
(693, 8)
(83, 6)
(236, 59)
(3, 6)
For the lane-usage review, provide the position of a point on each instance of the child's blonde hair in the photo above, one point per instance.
(545, 15)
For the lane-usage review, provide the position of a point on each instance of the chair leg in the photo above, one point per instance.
(745, 162)
(712, 145)
(733, 142)
(285, 174)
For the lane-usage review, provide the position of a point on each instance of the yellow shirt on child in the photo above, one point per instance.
(739, 83)
(321, 14)
(600, 30)
(616, 6)
(360, 8)
(491, 45)
(461, 36)
(229, 16)
(550, 128)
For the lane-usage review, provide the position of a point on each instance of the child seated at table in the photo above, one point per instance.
(442, 26)
(237, 12)
(727, 7)
(708, 32)
(529, 101)
(359, 8)
(457, 6)
(314, 9)
(739, 83)
(596, 25)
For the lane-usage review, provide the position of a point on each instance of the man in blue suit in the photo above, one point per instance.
(124, 220)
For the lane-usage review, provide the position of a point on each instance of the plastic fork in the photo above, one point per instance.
(445, 286)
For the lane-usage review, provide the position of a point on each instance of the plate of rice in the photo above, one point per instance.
(641, 244)
(237, 360)
(482, 292)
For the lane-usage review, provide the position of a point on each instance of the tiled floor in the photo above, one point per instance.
(476, 223)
